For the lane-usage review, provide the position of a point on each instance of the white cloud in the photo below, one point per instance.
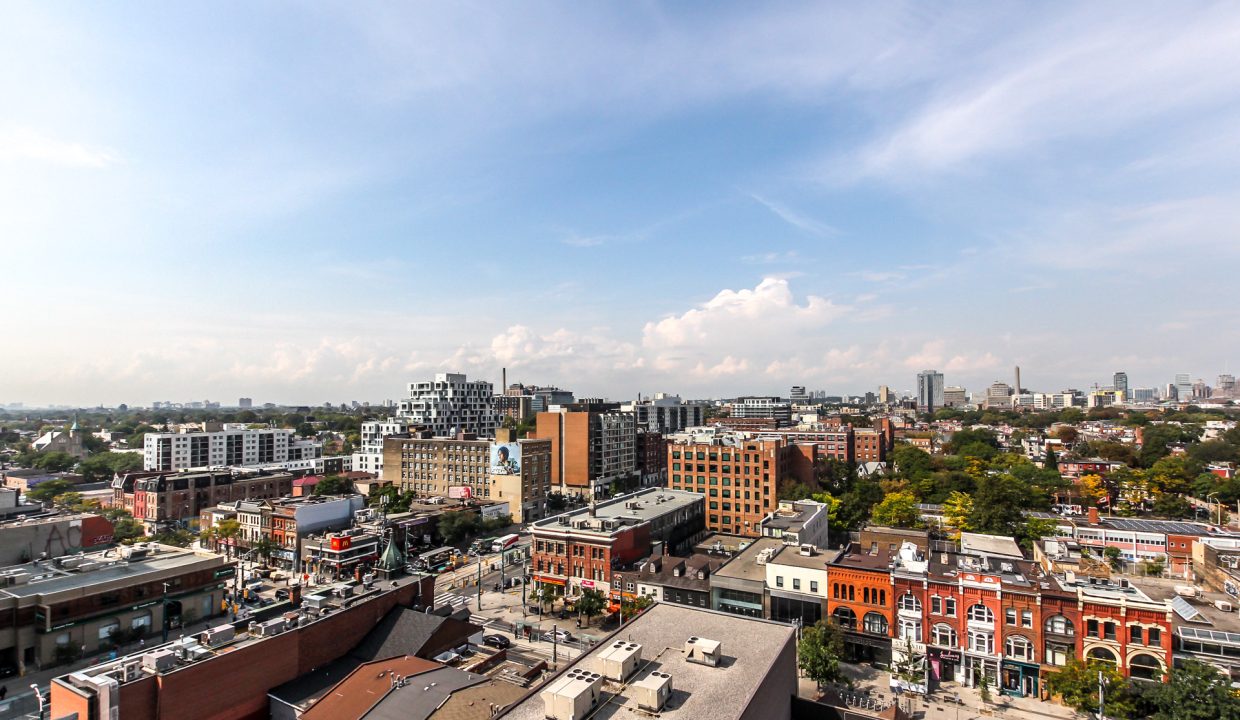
(794, 218)
(28, 144)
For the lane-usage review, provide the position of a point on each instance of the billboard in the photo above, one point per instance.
(460, 492)
(505, 458)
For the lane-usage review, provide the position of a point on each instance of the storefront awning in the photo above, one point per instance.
(549, 580)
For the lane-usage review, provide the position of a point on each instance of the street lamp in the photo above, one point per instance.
(1220, 515)
(165, 611)
(38, 696)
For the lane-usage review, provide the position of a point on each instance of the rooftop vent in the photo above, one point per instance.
(653, 691)
(159, 660)
(218, 635)
(703, 652)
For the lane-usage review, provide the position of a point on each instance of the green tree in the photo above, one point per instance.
(126, 529)
(456, 526)
(103, 466)
(45, 491)
(1195, 691)
(963, 440)
(1034, 529)
(547, 594)
(264, 547)
(898, 509)
(819, 652)
(795, 491)
(999, 505)
(958, 511)
(57, 461)
(177, 537)
(333, 485)
(1174, 507)
(1077, 685)
(1173, 474)
(591, 603)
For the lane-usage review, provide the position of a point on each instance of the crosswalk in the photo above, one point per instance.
(456, 600)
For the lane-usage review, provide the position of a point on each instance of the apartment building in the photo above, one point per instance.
(758, 407)
(593, 450)
(285, 522)
(580, 549)
(665, 413)
(369, 455)
(955, 396)
(233, 445)
(738, 477)
(651, 458)
(869, 445)
(451, 404)
(160, 499)
(516, 472)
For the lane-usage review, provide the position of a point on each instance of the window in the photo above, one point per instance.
(936, 605)
(875, 623)
(813, 586)
(779, 581)
(1060, 624)
(1091, 628)
(796, 583)
(982, 642)
(1019, 647)
(910, 630)
(1109, 628)
(908, 601)
(844, 617)
(1135, 634)
(1059, 653)
(1009, 616)
(1153, 636)
(980, 613)
(1026, 618)
(944, 634)
(949, 607)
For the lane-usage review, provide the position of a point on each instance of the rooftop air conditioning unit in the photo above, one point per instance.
(218, 635)
(703, 652)
(1222, 605)
(619, 660)
(652, 692)
(807, 550)
(572, 696)
(159, 660)
(272, 627)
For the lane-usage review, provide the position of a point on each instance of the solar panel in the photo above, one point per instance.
(1193, 633)
(1186, 611)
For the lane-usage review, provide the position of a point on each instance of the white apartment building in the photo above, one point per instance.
(369, 456)
(450, 404)
(665, 413)
(235, 445)
(763, 407)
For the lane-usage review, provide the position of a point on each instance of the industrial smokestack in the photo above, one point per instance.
(503, 380)
(1017, 379)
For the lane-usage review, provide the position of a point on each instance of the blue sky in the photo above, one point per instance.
(319, 202)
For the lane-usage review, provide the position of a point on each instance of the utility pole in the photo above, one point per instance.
(555, 646)
(480, 583)
(501, 571)
(524, 583)
(1101, 697)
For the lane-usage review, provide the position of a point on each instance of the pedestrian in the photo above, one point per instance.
(4, 690)
(141, 643)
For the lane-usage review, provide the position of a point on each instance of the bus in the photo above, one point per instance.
(437, 560)
(504, 542)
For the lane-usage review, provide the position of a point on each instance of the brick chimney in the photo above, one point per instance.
(1093, 516)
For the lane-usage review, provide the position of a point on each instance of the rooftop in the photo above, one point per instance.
(632, 509)
(791, 555)
(750, 649)
(745, 565)
(74, 572)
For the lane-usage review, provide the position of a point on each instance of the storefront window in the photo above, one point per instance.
(875, 623)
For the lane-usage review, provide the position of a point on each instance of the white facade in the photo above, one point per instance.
(762, 407)
(665, 413)
(231, 447)
(450, 404)
(369, 457)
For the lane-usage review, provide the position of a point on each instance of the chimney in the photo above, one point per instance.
(503, 382)
(1017, 379)
(1093, 516)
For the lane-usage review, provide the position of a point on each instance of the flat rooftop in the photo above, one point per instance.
(749, 647)
(631, 509)
(791, 555)
(745, 566)
(111, 567)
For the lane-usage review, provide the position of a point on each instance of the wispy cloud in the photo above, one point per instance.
(771, 258)
(25, 143)
(795, 219)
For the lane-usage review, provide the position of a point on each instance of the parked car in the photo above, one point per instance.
(561, 636)
(497, 641)
(534, 610)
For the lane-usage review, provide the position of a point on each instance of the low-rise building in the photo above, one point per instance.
(158, 499)
(798, 522)
(232, 445)
(580, 549)
(59, 610)
(716, 665)
(47, 536)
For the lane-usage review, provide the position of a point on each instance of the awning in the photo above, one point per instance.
(549, 580)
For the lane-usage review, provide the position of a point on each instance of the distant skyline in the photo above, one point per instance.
(321, 203)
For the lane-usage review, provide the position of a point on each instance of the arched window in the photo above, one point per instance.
(909, 601)
(982, 642)
(845, 618)
(1018, 648)
(1100, 653)
(1060, 624)
(875, 623)
(910, 630)
(1145, 667)
(981, 613)
(945, 635)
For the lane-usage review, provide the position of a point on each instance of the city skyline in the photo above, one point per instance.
(310, 204)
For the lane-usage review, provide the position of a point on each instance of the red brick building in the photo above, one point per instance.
(869, 445)
(739, 478)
